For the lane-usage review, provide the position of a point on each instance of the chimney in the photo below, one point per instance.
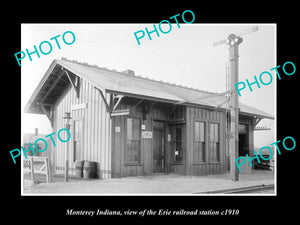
(36, 131)
(128, 72)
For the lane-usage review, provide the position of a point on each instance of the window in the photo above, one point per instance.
(78, 139)
(214, 142)
(177, 143)
(199, 142)
(132, 154)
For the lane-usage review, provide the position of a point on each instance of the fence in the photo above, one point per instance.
(28, 167)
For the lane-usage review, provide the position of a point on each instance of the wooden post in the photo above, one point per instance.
(48, 170)
(31, 169)
(67, 171)
(67, 158)
(47, 174)
(234, 41)
(67, 164)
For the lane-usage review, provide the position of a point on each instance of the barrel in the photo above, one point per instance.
(79, 168)
(89, 169)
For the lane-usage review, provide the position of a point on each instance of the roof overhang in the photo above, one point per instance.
(258, 116)
(62, 74)
(51, 87)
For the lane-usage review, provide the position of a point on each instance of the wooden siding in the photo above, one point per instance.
(159, 112)
(162, 113)
(119, 166)
(207, 167)
(145, 167)
(96, 130)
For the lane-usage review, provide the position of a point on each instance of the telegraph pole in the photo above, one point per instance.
(233, 41)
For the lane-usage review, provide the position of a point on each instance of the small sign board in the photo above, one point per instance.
(79, 106)
(147, 134)
(169, 137)
(120, 112)
(117, 129)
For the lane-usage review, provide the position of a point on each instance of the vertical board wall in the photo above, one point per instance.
(119, 167)
(96, 130)
(207, 167)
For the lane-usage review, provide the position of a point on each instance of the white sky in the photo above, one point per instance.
(184, 56)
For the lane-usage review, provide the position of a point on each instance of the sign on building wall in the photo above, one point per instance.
(147, 134)
(117, 129)
(79, 106)
(169, 137)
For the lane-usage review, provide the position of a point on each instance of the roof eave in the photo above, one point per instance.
(260, 116)
(141, 96)
(27, 107)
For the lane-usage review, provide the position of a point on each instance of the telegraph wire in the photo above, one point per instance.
(162, 55)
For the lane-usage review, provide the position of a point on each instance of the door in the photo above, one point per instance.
(158, 147)
(78, 139)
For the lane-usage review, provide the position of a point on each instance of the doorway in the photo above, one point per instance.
(158, 147)
(243, 139)
(243, 144)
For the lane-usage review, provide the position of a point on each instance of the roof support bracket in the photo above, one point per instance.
(117, 103)
(75, 86)
(139, 102)
(256, 122)
(49, 113)
(172, 110)
(146, 109)
(108, 109)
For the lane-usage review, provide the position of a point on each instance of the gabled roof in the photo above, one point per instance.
(129, 85)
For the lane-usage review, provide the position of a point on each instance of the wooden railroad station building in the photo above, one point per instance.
(132, 126)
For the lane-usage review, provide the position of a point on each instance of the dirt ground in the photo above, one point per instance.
(158, 184)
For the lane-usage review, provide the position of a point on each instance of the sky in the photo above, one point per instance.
(184, 56)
